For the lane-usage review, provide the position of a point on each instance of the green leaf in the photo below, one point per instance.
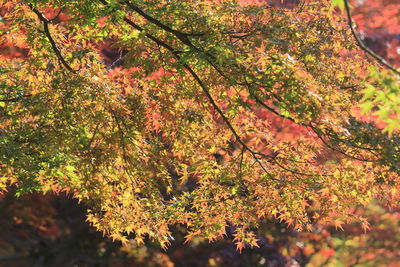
(369, 92)
(366, 107)
(391, 126)
(337, 3)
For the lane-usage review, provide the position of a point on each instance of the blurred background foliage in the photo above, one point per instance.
(51, 230)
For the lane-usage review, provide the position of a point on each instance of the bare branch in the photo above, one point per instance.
(361, 43)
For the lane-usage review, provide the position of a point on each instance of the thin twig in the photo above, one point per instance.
(316, 131)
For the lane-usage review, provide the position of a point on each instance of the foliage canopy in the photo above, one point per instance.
(181, 126)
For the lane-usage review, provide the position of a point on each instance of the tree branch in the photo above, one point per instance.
(361, 43)
(202, 86)
(15, 99)
(205, 90)
(181, 35)
(47, 32)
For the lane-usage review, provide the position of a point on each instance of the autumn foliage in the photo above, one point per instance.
(206, 115)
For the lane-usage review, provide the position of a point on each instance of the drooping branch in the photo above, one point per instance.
(316, 131)
(361, 43)
(210, 58)
(191, 71)
(320, 137)
(204, 89)
(274, 111)
(53, 44)
(181, 35)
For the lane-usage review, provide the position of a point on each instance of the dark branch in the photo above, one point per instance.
(47, 32)
(181, 35)
(318, 133)
(15, 99)
(361, 43)
(204, 88)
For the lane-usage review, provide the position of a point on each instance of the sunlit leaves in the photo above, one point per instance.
(384, 101)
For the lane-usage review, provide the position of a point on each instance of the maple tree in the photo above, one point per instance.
(182, 127)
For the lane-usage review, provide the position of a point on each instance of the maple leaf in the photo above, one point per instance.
(240, 246)
(338, 224)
